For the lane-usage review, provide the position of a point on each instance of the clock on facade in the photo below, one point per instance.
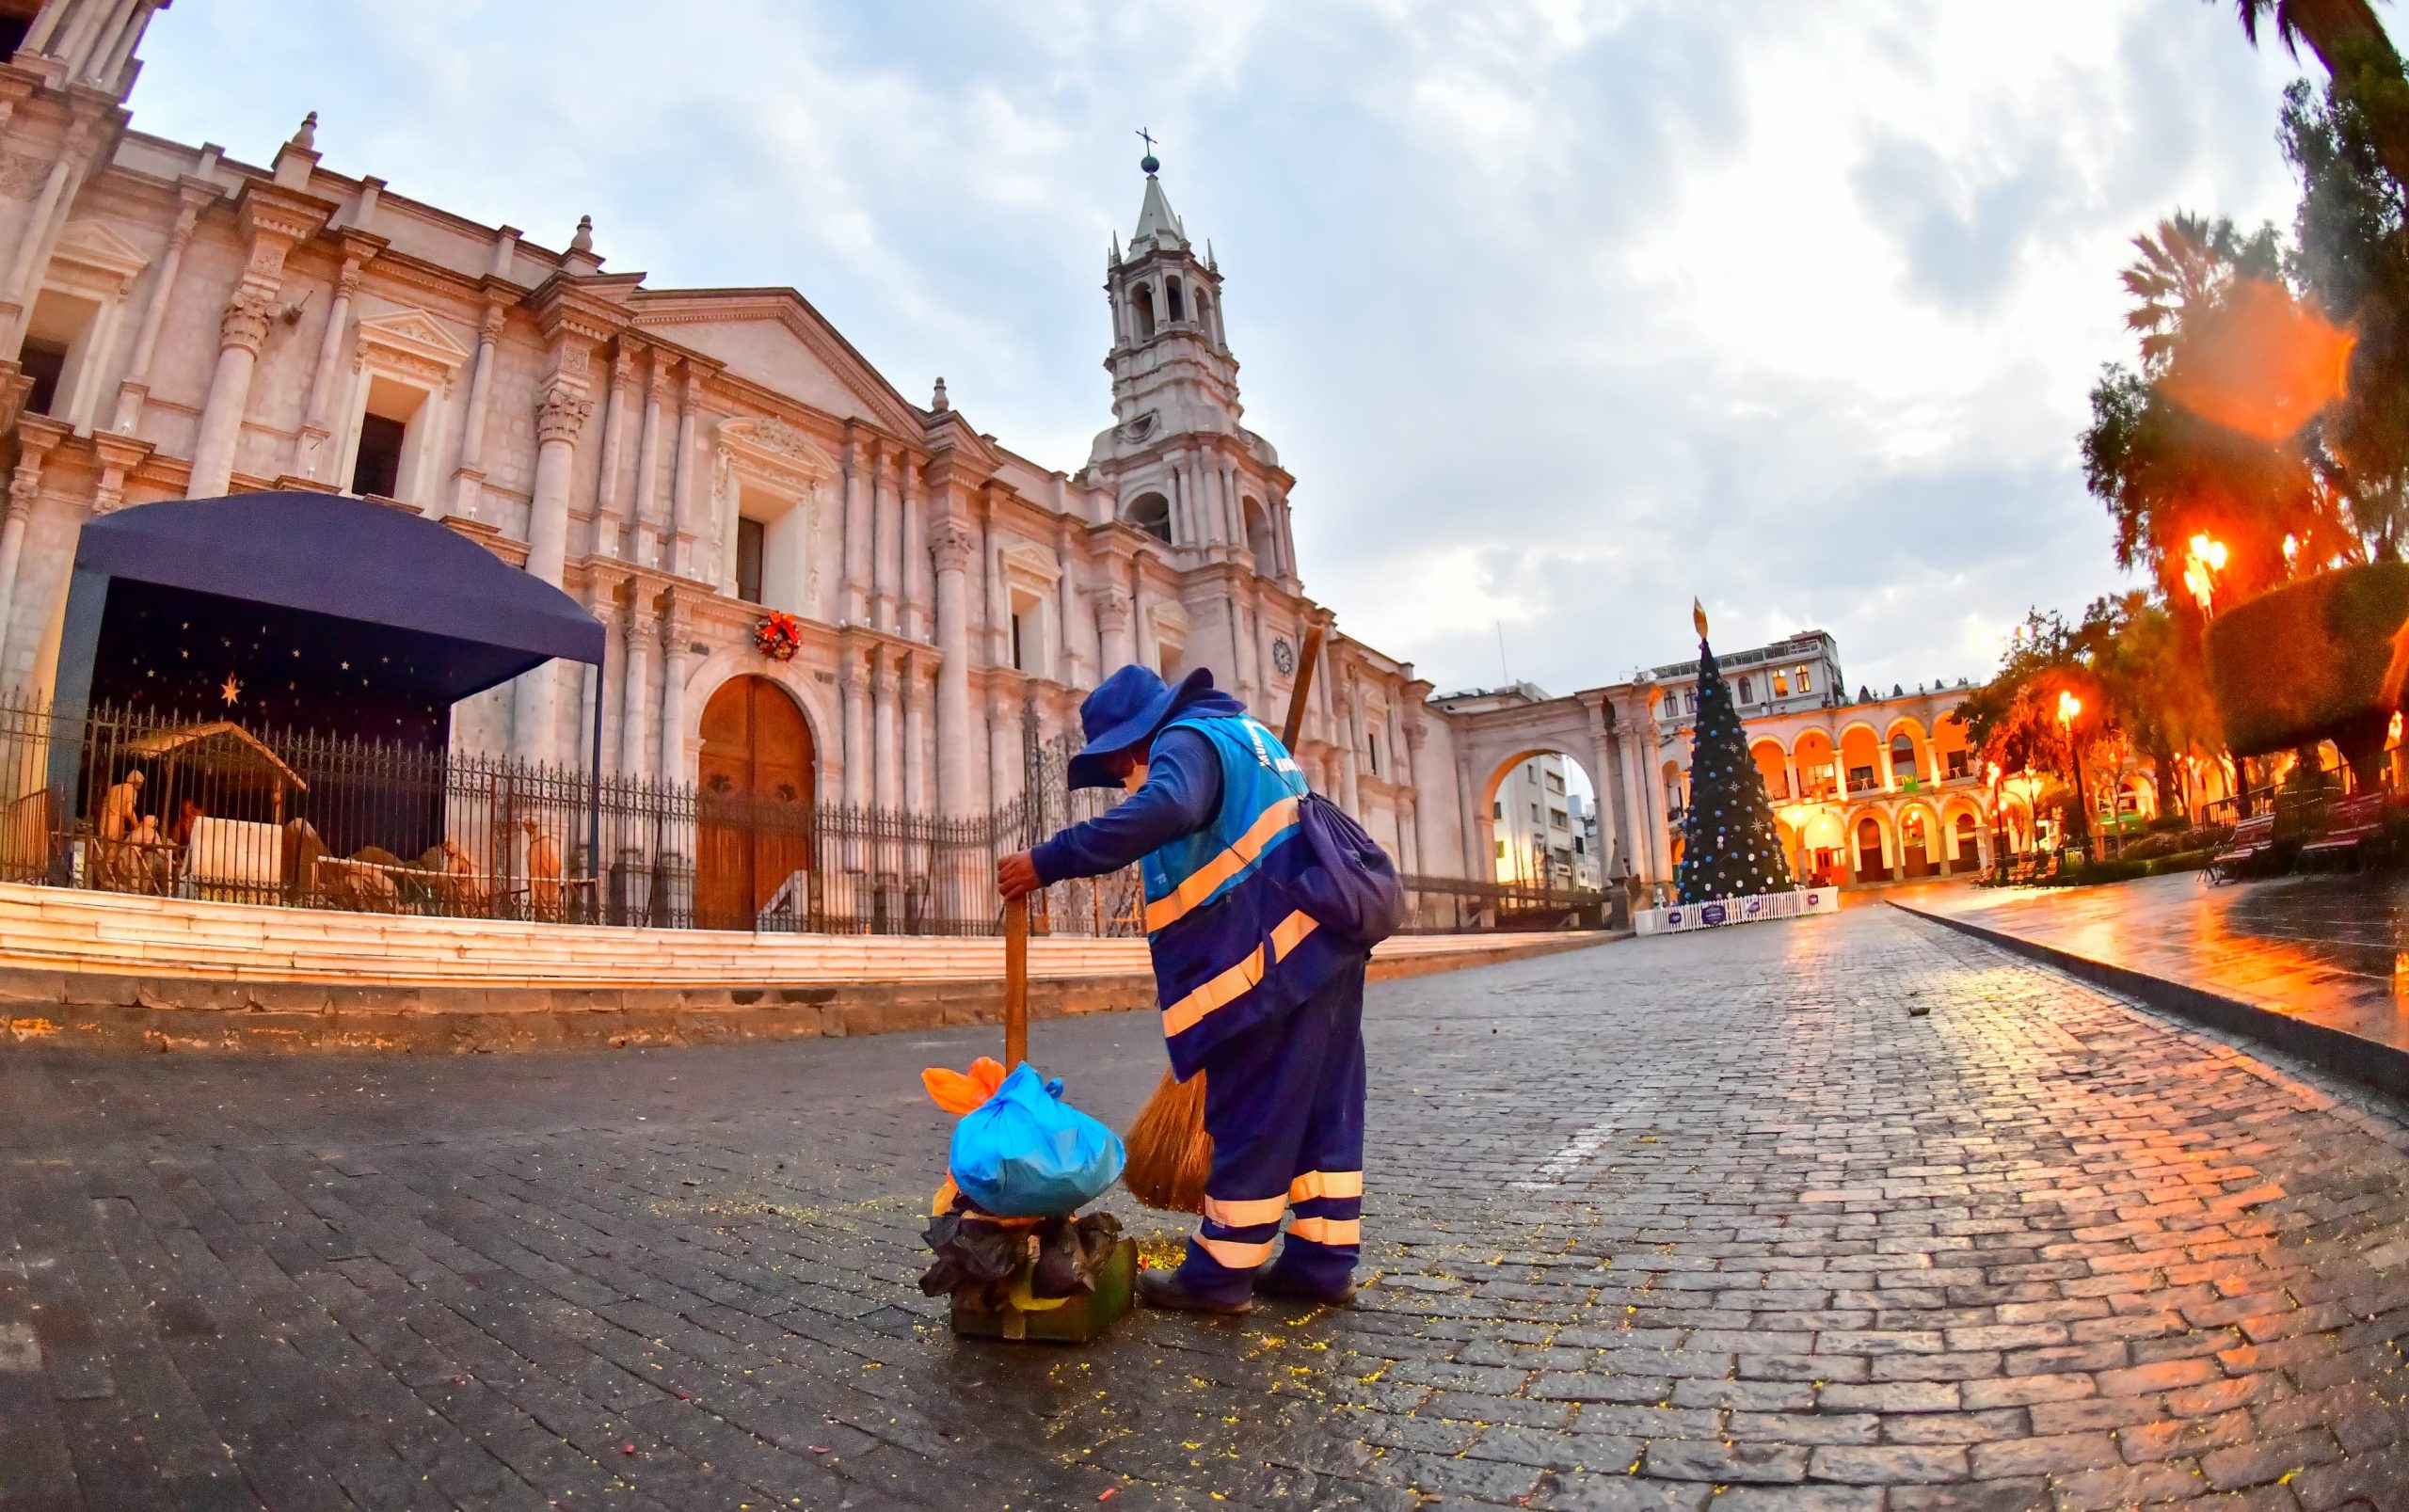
(1284, 656)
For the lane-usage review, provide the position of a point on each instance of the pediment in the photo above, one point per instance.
(1030, 566)
(91, 245)
(769, 439)
(776, 339)
(414, 333)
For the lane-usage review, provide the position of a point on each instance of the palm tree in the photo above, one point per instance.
(2182, 267)
(2349, 39)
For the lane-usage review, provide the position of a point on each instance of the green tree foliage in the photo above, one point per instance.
(2359, 59)
(1729, 845)
(2351, 257)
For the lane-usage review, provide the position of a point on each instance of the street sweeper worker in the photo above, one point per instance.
(1252, 991)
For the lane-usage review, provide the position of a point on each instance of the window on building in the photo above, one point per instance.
(1151, 513)
(380, 462)
(1957, 764)
(12, 33)
(1780, 685)
(1556, 819)
(1500, 849)
(1027, 629)
(1902, 758)
(1580, 847)
(1745, 697)
(1142, 311)
(750, 535)
(56, 349)
(1804, 685)
(1555, 782)
(1372, 741)
(1535, 813)
(376, 469)
(1861, 779)
(1174, 299)
(45, 362)
(1497, 809)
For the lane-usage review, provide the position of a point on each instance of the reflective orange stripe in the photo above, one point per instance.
(1234, 1253)
(1315, 1184)
(1327, 1231)
(1246, 1212)
(1233, 983)
(1270, 824)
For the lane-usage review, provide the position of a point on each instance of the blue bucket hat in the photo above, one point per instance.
(1125, 709)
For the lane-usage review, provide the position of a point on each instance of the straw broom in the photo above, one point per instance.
(1170, 1152)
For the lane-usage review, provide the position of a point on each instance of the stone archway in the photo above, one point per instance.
(754, 792)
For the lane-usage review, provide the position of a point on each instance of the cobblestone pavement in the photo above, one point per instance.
(1683, 1223)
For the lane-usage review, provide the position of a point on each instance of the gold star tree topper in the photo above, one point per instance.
(1698, 617)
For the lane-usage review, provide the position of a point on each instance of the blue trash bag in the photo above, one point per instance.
(1025, 1154)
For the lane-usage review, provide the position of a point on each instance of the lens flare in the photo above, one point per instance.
(2201, 564)
(2260, 363)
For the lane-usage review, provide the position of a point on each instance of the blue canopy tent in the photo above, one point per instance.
(415, 616)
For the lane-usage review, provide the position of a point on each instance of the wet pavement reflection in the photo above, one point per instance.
(2321, 948)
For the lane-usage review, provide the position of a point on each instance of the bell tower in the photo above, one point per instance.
(1183, 468)
(1172, 370)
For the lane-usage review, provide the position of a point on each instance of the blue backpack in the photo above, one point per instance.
(1352, 889)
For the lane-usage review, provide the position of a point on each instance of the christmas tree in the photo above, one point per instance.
(1730, 847)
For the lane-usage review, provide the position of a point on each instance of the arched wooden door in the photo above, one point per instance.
(1869, 853)
(754, 801)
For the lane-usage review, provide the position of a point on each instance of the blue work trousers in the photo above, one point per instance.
(1284, 1106)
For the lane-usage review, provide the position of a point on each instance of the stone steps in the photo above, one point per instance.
(50, 929)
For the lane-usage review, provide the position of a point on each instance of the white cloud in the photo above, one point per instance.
(1561, 311)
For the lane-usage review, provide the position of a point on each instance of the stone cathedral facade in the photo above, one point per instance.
(681, 461)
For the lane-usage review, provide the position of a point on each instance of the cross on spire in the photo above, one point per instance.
(1148, 138)
(1147, 164)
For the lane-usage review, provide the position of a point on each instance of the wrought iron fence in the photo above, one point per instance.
(138, 801)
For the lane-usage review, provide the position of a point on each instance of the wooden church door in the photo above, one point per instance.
(754, 793)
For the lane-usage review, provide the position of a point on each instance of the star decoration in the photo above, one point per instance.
(229, 689)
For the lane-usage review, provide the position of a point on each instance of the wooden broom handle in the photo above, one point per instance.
(1015, 982)
(1305, 659)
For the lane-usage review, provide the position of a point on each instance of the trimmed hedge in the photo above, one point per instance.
(2125, 870)
(2309, 661)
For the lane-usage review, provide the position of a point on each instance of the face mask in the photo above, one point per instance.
(1134, 778)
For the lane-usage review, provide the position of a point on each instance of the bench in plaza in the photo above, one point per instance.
(2353, 829)
(2253, 838)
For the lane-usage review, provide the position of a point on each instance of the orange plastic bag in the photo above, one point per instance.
(958, 1094)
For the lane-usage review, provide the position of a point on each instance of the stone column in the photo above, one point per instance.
(886, 540)
(26, 262)
(676, 634)
(887, 771)
(916, 733)
(949, 546)
(468, 476)
(1112, 623)
(608, 521)
(1003, 744)
(858, 529)
(1427, 841)
(24, 485)
(645, 505)
(852, 679)
(315, 422)
(135, 387)
(679, 559)
(1350, 731)
(916, 553)
(110, 59)
(560, 415)
(643, 633)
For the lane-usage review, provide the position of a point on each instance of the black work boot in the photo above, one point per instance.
(1273, 1282)
(1164, 1289)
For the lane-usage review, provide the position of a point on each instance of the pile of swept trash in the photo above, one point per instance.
(1005, 1226)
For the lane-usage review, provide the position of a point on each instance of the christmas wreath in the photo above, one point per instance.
(778, 636)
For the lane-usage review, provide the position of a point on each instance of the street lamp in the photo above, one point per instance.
(2069, 709)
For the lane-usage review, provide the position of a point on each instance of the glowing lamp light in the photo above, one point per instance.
(2069, 707)
(2204, 559)
(2393, 735)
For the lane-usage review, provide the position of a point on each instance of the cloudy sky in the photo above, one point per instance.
(1561, 312)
